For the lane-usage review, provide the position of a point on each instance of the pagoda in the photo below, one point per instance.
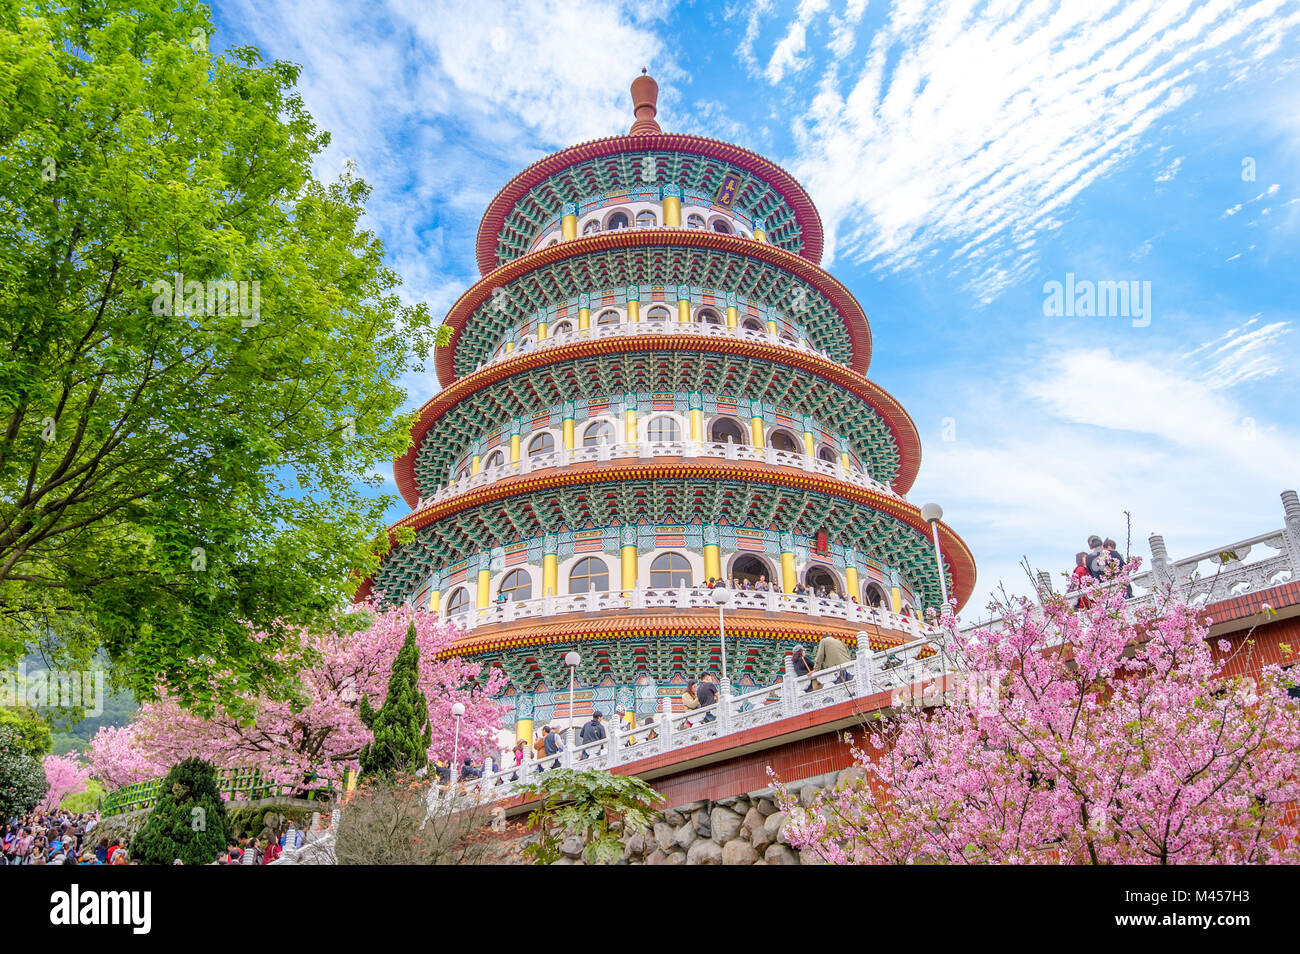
(653, 385)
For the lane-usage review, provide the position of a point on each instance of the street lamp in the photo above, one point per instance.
(722, 597)
(571, 659)
(457, 712)
(932, 513)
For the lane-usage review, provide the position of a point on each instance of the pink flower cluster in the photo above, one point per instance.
(65, 776)
(1113, 738)
(319, 731)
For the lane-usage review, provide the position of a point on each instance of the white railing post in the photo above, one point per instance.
(724, 709)
(666, 720)
(789, 687)
(570, 742)
(863, 661)
(612, 742)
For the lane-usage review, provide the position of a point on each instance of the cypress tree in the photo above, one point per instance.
(401, 726)
(188, 820)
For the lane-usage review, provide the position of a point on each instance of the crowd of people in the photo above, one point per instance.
(1100, 561)
(71, 838)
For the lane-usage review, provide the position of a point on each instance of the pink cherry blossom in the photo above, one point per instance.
(65, 776)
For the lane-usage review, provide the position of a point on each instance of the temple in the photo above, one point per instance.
(654, 385)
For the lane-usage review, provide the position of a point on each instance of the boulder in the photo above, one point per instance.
(664, 835)
(773, 824)
(738, 852)
(807, 794)
(780, 855)
(634, 847)
(849, 775)
(656, 857)
(752, 823)
(674, 817)
(703, 827)
(676, 858)
(766, 807)
(571, 847)
(760, 837)
(724, 824)
(683, 837)
(704, 852)
(729, 802)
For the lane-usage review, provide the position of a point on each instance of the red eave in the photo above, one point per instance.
(805, 213)
(855, 318)
(900, 424)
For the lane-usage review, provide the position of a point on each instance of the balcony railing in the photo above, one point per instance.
(899, 668)
(563, 457)
(672, 326)
(674, 599)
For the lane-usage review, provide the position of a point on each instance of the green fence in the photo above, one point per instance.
(239, 784)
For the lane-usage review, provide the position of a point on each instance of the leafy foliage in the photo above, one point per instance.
(188, 821)
(587, 804)
(390, 820)
(401, 726)
(187, 457)
(31, 731)
(22, 777)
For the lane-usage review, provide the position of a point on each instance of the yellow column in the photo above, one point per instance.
(788, 578)
(712, 561)
(851, 577)
(697, 424)
(634, 311)
(569, 224)
(672, 206)
(756, 430)
(584, 319)
(568, 433)
(733, 317)
(510, 346)
(541, 331)
(550, 563)
(760, 235)
(475, 464)
(771, 326)
(683, 303)
(524, 733)
(627, 556)
(484, 588)
(809, 444)
(514, 448)
(629, 425)
(844, 459)
(435, 599)
(896, 597)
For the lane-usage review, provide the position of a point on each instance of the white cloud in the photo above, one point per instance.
(1167, 174)
(978, 125)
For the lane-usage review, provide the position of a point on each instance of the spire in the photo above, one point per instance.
(645, 96)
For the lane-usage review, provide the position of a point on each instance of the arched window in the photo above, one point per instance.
(784, 441)
(875, 594)
(543, 443)
(720, 225)
(609, 317)
(562, 328)
(708, 316)
(589, 575)
(617, 221)
(670, 569)
(657, 314)
(645, 219)
(552, 242)
(458, 601)
(753, 324)
(694, 221)
(494, 459)
(724, 430)
(751, 569)
(591, 228)
(818, 576)
(826, 454)
(601, 432)
(516, 586)
(664, 429)
(462, 472)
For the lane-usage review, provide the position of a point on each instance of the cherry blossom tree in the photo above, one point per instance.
(64, 775)
(316, 737)
(1082, 736)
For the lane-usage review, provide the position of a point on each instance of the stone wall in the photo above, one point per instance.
(738, 830)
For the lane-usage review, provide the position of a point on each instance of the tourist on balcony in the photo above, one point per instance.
(706, 691)
(593, 731)
(552, 745)
(1096, 560)
(520, 751)
(689, 698)
(801, 667)
(832, 652)
(1077, 578)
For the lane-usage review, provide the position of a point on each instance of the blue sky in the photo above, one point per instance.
(962, 156)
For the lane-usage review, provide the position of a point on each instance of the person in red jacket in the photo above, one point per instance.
(1079, 577)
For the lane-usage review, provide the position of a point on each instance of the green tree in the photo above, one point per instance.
(599, 807)
(31, 732)
(401, 726)
(197, 344)
(22, 777)
(187, 821)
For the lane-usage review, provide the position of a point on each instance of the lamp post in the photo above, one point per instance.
(932, 513)
(571, 659)
(457, 712)
(722, 596)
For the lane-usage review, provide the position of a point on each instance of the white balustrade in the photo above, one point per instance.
(648, 449)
